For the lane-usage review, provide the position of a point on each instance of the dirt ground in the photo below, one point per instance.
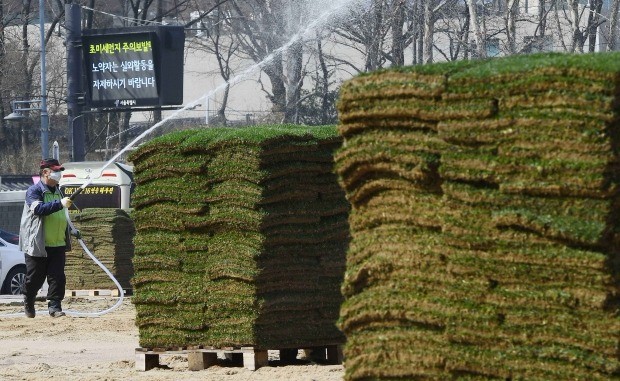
(103, 348)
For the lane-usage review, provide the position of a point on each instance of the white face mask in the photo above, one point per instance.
(56, 176)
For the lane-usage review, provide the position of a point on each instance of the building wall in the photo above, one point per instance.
(11, 208)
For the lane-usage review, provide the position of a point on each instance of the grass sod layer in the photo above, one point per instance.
(108, 234)
(570, 285)
(500, 259)
(571, 224)
(260, 226)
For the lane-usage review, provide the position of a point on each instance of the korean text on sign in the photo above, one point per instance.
(112, 48)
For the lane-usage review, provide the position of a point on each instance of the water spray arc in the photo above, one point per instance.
(327, 14)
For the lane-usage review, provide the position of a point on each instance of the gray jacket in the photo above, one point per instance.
(31, 232)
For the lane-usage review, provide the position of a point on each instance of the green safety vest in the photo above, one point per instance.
(55, 224)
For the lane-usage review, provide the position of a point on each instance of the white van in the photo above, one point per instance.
(12, 269)
(109, 188)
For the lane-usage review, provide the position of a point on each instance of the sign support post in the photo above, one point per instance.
(77, 136)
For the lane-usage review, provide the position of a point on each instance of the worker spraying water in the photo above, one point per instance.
(309, 30)
(36, 212)
(45, 238)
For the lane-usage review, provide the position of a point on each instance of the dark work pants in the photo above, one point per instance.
(51, 267)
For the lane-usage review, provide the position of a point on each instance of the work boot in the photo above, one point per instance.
(55, 309)
(29, 307)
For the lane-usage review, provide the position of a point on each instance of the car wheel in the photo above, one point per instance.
(15, 282)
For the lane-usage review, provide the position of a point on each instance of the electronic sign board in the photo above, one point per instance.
(95, 196)
(134, 67)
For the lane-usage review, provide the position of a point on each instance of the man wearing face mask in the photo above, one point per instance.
(44, 238)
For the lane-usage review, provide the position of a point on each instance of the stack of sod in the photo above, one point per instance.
(169, 296)
(505, 265)
(388, 168)
(241, 238)
(108, 234)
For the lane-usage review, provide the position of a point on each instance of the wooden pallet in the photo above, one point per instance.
(113, 293)
(199, 358)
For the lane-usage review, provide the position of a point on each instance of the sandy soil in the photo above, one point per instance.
(103, 348)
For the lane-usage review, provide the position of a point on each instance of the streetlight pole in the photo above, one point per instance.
(44, 115)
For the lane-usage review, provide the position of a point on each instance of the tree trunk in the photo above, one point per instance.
(373, 59)
(294, 66)
(274, 71)
(398, 39)
(324, 83)
(576, 42)
(429, 25)
(542, 18)
(3, 137)
(613, 25)
(221, 111)
(481, 50)
(294, 63)
(420, 46)
(462, 40)
(223, 46)
(512, 10)
(593, 23)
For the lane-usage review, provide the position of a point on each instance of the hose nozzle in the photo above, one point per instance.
(77, 191)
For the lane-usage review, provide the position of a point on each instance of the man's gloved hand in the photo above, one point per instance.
(76, 233)
(66, 202)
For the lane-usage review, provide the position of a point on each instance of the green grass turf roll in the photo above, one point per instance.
(254, 215)
(484, 219)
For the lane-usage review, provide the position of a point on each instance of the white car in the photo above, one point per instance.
(12, 269)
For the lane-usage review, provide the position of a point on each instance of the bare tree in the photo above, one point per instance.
(262, 29)
(20, 79)
(26, 78)
(381, 31)
(217, 37)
